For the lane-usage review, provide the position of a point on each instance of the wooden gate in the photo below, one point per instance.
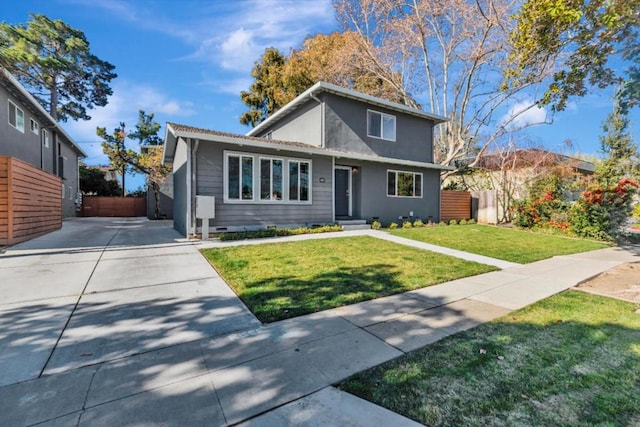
(114, 206)
(455, 205)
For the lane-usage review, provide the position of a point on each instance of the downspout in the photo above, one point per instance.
(187, 219)
(194, 184)
(322, 112)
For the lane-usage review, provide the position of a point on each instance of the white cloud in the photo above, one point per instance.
(522, 114)
(123, 106)
(238, 50)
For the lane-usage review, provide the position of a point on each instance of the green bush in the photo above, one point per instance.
(376, 225)
(273, 232)
(442, 223)
(453, 222)
(393, 225)
(463, 222)
(406, 224)
(418, 223)
(636, 211)
(471, 221)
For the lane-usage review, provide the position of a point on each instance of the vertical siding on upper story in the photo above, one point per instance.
(346, 129)
(210, 182)
(301, 125)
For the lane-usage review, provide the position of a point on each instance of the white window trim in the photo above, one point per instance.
(271, 159)
(9, 116)
(414, 184)
(256, 180)
(37, 126)
(45, 138)
(382, 116)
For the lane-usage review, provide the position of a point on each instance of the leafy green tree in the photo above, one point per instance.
(54, 62)
(621, 154)
(579, 40)
(333, 58)
(148, 161)
(267, 93)
(93, 182)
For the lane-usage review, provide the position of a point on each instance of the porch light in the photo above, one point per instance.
(355, 170)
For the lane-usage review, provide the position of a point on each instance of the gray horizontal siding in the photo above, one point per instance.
(210, 182)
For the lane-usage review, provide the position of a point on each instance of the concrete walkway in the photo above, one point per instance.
(130, 326)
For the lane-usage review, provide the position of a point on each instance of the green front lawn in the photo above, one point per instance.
(573, 359)
(283, 280)
(497, 242)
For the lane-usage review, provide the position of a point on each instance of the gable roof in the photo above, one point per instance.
(308, 94)
(16, 89)
(530, 157)
(175, 131)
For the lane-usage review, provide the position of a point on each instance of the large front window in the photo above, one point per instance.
(275, 180)
(404, 184)
(240, 177)
(381, 125)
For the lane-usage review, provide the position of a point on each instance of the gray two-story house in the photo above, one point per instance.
(30, 134)
(330, 155)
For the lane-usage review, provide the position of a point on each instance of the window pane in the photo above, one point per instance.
(234, 177)
(265, 179)
(389, 127)
(418, 185)
(12, 115)
(304, 181)
(20, 119)
(277, 180)
(391, 183)
(374, 124)
(247, 178)
(293, 180)
(405, 184)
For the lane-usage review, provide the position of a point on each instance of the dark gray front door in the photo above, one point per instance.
(342, 192)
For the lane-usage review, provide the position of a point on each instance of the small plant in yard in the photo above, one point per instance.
(406, 224)
(471, 221)
(376, 225)
(442, 223)
(453, 222)
(278, 232)
(393, 225)
(418, 223)
(463, 222)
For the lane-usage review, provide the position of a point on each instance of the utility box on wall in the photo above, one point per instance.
(205, 207)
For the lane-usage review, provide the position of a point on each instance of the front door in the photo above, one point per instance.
(342, 188)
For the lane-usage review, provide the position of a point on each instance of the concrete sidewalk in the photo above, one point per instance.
(169, 366)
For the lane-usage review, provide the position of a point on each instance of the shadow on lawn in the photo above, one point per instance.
(283, 297)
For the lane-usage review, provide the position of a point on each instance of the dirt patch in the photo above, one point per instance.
(622, 282)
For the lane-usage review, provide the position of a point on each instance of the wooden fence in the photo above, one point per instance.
(30, 201)
(455, 205)
(114, 206)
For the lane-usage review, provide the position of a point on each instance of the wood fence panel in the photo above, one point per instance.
(114, 206)
(30, 201)
(455, 205)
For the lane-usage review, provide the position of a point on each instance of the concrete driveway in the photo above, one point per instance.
(103, 288)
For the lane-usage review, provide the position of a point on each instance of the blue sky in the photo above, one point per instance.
(188, 60)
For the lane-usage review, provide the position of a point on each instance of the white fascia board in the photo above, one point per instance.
(203, 137)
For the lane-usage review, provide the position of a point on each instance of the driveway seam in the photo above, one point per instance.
(75, 307)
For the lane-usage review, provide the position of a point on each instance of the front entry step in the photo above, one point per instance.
(353, 224)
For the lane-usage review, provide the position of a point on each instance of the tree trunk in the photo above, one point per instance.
(156, 195)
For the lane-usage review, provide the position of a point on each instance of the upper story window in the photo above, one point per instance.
(381, 125)
(45, 138)
(16, 117)
(404, 184)
(34, 126)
